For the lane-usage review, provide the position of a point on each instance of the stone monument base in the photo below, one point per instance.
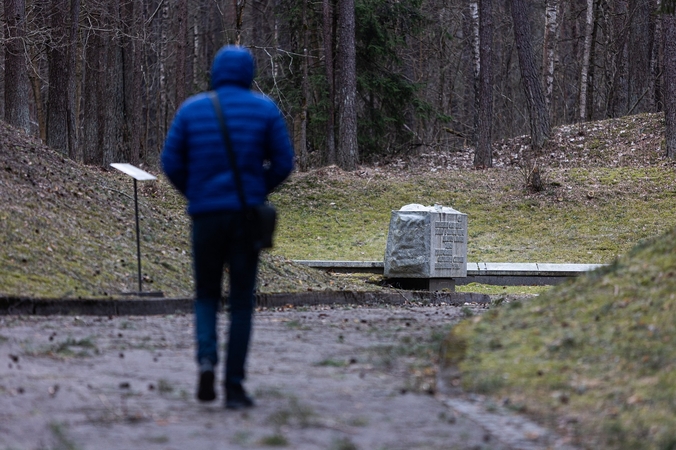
(423, 284)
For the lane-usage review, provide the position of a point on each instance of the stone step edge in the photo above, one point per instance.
(473, 269)
(10, 305)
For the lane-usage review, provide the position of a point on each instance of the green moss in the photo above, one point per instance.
(599, 349)
(321, 220)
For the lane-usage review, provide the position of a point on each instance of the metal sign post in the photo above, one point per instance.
(138, 175)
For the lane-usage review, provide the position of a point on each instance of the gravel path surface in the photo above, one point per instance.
(323, 378)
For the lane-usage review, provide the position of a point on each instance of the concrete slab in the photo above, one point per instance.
(546, 269)
(472, 268)
(481, 266)
(344, 266)
(519, 269)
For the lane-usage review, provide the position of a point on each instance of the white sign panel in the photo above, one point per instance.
(134, 172)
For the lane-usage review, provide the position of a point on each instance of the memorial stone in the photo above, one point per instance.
(427, 242)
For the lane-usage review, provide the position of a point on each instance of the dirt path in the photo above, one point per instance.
(323, 378)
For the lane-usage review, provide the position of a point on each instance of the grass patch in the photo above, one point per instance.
(159, 439)
(501, 290)
(297, 325)
(295, 414)
(275, 440)
(61, 439)
(343, 444)
(598, 350)
(320, 220)
(332, 363)
(164, 387)
(417, 355)
(79, 348)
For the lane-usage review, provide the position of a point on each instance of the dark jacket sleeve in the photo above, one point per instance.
(279, 153)
(174, 154)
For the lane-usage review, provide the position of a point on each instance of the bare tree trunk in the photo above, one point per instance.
(16, 65)
(669, 36)
(586, 57)
(133, 85)
(327, 18)
(114, 84)
(92, 141)
(483, 157)
(549, 49)
(61, 132)
(591, 76)
(73, 139)
(197, 48)
(617, 26)
(476, 61)
(181, 53)
(655, 59)
(641, 35)
(301, 131)
(535, 99)
(239, 15)
(347, 152)
(162, 104)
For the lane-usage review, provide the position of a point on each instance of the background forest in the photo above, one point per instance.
(358, 80)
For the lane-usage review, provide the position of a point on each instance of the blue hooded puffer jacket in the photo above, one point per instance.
(194, 155)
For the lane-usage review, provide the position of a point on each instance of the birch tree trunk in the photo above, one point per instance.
(483, 157)
(551, 38)
(16, 65)
(476, 62)
(586, 57)
(347, 152)
(669, 37)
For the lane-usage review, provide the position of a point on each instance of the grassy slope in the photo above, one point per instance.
(68, 229)
(346, 216)
(596, 354)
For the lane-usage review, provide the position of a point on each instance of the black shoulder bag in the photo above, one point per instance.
(261, 219)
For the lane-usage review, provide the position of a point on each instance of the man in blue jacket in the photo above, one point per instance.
(195, 161)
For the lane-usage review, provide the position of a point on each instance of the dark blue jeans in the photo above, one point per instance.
(220, 240)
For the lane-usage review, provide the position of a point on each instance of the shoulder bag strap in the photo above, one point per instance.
(213, 95)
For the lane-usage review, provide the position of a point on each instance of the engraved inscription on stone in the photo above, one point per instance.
(449, 245)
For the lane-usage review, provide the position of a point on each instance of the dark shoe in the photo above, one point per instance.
(205, 391)
(236, 397)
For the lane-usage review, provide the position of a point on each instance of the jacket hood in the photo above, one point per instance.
(232, 65)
